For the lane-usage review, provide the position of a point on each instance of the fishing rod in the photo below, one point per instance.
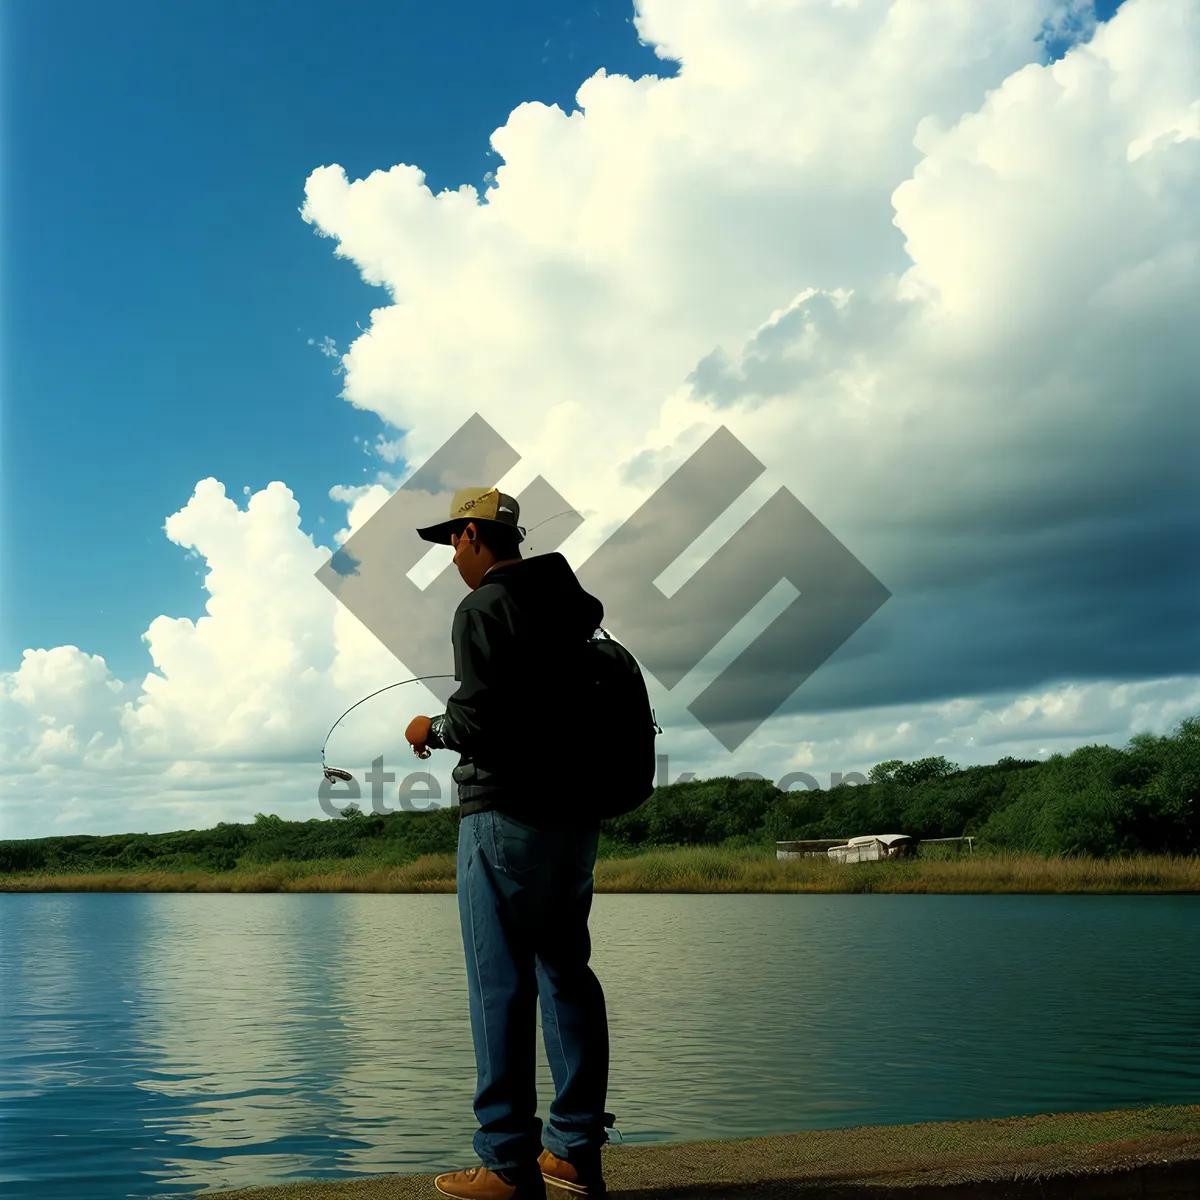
(332, 773)
(566, 512)
(336, 773)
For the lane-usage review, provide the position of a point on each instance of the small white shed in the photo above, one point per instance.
(873, 846)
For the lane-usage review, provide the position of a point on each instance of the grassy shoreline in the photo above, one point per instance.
(688, 870)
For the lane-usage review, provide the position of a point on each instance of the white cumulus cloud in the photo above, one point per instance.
(945, 290)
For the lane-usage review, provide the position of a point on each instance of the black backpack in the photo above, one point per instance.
(617, 770)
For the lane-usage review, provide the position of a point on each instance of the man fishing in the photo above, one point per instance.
(525, 863)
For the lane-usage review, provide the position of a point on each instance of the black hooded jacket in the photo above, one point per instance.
(518, 639)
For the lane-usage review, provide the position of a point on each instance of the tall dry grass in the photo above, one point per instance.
(689, 869)
(704, 869)
(433, 873)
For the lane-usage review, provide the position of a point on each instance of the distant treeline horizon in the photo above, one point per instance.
(1098, 801)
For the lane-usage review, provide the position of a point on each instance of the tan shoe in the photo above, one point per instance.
(478, 1183)
(559, 1172)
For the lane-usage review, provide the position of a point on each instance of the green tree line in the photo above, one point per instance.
(1097, 801)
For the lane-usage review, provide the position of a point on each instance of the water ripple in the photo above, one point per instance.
(154, 1046)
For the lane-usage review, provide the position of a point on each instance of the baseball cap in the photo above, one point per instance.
(475, 504)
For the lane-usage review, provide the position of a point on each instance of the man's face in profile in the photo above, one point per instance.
(471, 556)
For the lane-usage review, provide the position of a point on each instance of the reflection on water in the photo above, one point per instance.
(168, 1044)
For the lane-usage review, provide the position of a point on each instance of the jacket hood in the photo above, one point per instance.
(544, 586)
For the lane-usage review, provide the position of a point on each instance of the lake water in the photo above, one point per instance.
(156, 1045)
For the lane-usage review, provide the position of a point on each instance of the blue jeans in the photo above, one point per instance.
(524, 895)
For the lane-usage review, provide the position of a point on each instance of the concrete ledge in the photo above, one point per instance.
(1149, 1152)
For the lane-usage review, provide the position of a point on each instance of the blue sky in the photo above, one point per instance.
(160, 287)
